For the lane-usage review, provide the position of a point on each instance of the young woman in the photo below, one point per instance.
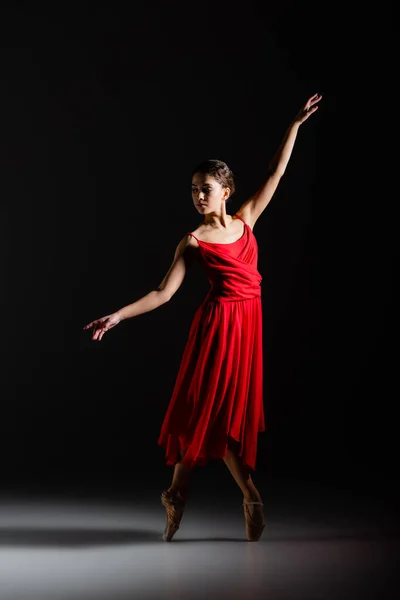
(216, 410)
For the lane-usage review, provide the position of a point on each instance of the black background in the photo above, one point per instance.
(105, 110)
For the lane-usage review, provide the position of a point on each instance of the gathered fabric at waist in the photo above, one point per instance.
(224, 295)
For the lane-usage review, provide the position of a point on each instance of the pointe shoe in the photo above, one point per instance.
(254, 523)
(174, 505)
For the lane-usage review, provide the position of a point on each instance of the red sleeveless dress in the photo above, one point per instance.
(218, 391)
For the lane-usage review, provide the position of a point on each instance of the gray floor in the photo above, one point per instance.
(104, 546)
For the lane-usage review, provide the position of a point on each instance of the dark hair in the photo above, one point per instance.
(219, 170)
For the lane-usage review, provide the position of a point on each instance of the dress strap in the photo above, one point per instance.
(190, 233)
(236, 215)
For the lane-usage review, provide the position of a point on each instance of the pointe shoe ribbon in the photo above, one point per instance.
(174, 505)
(254, 523)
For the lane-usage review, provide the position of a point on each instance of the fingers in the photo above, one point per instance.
(93, 324)
(99, 329)
(314, 99)
(311, 105)
(97, 334)
(102, 331)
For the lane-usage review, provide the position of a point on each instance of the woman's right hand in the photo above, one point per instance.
(100, 326)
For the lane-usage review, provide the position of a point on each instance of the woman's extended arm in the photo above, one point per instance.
(254, 206)
(164, 292)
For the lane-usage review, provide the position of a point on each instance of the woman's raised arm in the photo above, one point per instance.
(254, 206)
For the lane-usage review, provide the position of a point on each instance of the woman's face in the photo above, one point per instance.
(207, 193)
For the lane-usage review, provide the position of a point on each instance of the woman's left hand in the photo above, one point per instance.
(308, 109)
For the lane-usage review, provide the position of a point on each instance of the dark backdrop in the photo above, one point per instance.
(105, 110)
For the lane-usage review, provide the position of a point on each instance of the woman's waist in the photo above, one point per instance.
(229, 295)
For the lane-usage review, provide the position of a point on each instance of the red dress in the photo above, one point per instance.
(218, 391)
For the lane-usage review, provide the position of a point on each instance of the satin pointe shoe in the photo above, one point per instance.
(255, 522)
(174, 505)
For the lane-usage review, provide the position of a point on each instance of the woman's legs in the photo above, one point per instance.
(180, 478)
(174, 499)
(253, 513)
(241, 473)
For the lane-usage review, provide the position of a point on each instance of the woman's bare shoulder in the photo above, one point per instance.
(197, 233)
(188, 242)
